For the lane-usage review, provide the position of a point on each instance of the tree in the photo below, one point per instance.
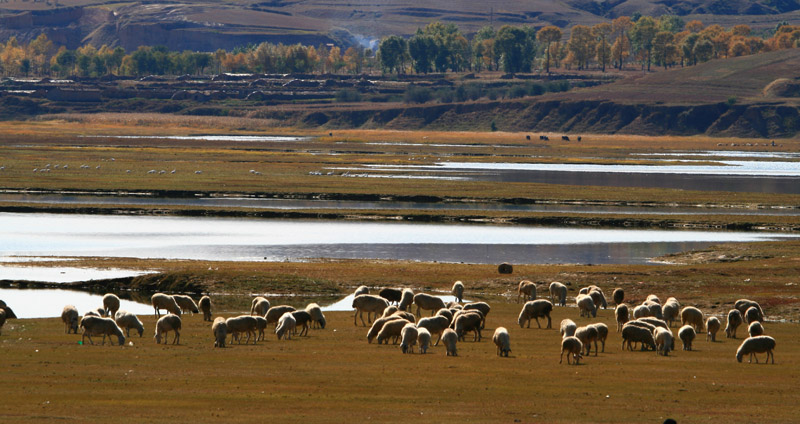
(663, 47)
(703, 50)
(620, 28)
(514, 47)
(421, 49)
(687, 48)
(642, 35)
(354, 59)
(601, 33)
(547, 36)
(581, 44)
(671, 23)
(694, 26)
(741, 30)
(393, 51)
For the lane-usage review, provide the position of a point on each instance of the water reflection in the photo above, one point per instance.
(63, 274)
(48, 303)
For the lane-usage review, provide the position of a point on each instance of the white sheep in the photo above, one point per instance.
(587, 335)
(621, 314)
(618, 295)
(670, 311)
(393, 329)
(526, 290)
(693, 316)
(641, 311)
(317, 317)
(276, 312)
(361, 290)
(458, 291)
(469, 321)
(164, 301)
(370, 304)
(632, 333)
(242, 324)
(481, 307)
(69, 316)
(734, 321)
(664, 340)
(377, 325)
(602, 334)
(752, 315)
(653, 298)
(586, 305)
(186, 303)
(205, 306)
(165, 324)
(450, 339)
(110, 304)
(428, 302)
(755, 329)
(286, 325)
(568, 328)
(598, 297)
(435, 325)
(390, 310)
(572, 346)
(259, 306)
(758, 344)
(445, 313)
(261, 326)
(742, 305)
(406, 299)
(409, 336)
(655, 309)
(687, 336)
(502, 340)
(220, 330)
(423, 339)
(558, 293)
(712, 326)
(99, 326)
(536, 309)
(127, 320)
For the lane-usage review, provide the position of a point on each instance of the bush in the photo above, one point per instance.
(415, 94)
(731, 101)
(536, 89)
(348, 96)
(517, 92)
(445, 95)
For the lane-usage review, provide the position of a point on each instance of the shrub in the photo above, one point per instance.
(731, 101)
(348, 96)
(415, 94)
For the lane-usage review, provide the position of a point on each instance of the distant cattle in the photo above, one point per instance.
(565, 138)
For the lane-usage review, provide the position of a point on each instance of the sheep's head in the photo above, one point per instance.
(521, 320)
(141, 331)
(322, 322)
(158, 338)
(739, 356)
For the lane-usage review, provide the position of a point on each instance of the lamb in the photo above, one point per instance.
(406, 299)
(392, 329)
(276, 312)
(242, 324)
(99, 326)
(165, 324)
(558, 293)
(220, 330)
(526, 290)
(377, 325)
(502, 340)
(687, 335)
(742, 305)
(535, 309)
(317, 317)
(286, 325)
(261, 326)
(370, 304)
(435, 325)
(423, 339)
(602, 334)
(693, 316)
(752, 315)
(205, 306)
(712, 326)
(450, 338)
(755, 329)
(586, 305)
(618, 295)
(164, 301)
(568, 328)
(587, 335)
(110, 304)
(598, 298)
(634, 334)
(458, 291)
(409, 336)
(69, 316)
(621, 314)
(361, 290)
(186, 303)
(468, 322)
(428, 302)
(260, 306)
(127, 320)
(302, 318)
(482, 307)
(392, 295)
(664, 340)
(734, 321)
(670, 312)
(758, 344)
(573, 347)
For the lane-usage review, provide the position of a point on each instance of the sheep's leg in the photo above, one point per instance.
(437, 340)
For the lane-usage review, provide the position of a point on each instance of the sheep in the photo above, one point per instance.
(558, 293)
(742, 305)
(446, 313)
(450, 339)
(220, 330)
(502, 340)
(242, 324)
(186, 303)
(653, 298)
(641, 311)
(598, 298)
(634, 334)
(260, 306)
(361, 290)
(165, 324)
(535, 309)
(458, 291)
(261, 326)
(377, 325)
(408, 316)
(110, 304)
(276, 312)
(573, 347)
(99, 326)
(127, 320)
(164, 301)
(463, 312)
(406, 299)
(3, 320)
(712, 326)
(92, 313)
(69, 316)
(409, 336)
(428, 302)
(317, 317)
(482, 307)
(568, 328)
(393, 329)
(655, 309)
(526, 290)
(423, 339)
(468, 322)
(370, 304)
(302, 318)
(586, 305)
(734, 321)
(435, 325)
(664, 340)
(670, 312)
(390, 310)
(687, 335)
(655, 322)
(9, 313)
(752, 315)
(755, 329)
(205, 306)
(286, 325)
(693, 316)
(758, 344)
(618, 296)
(392, 295)
(602, 334)
(621, 315)
(587, 335)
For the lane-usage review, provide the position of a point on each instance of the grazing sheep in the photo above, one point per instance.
(220, 330)
(526, 290)
(261, 327)
(390, 310)
(392, 295)
(110, 304)
(693, 316)
(653, 298)
(428, 302)
(586, 305)
(621, 315)
(435, 325)
(469, 322)
(302, 318)
(458, 291)
(260, 306)
(69, 316)
(377, 325)
(370, 304)
(535, 309)
(317, 317)
(285, 327)
(664, 340)
(568, 328)
(391, 329)
(687, 335)
(752, 315)
(361, 290)
(409, 336)
(276, 312)
(755, 329)
(3, 320)
(205, 306)
(423, 339)
(406, 299)
(618, 296)
(602, 334)
(446, 313)
(634, 334)
(758, 344)
(502, 340)
(242, 324)
(655, 322)
(165, 324)
(408, 316)
(712, 326)
(598, 297)
(92, 313)
(127, 320)
(482, 307)
(186, 303)
(450, 339)
(641, 311)
(462, 312)
(655, 309)
(742, 305)
(9, 313)
(734, 321)
(587, 335)
(670, 312)
(558, 293)
(573, 347)
(164, 301)
(99, 326)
